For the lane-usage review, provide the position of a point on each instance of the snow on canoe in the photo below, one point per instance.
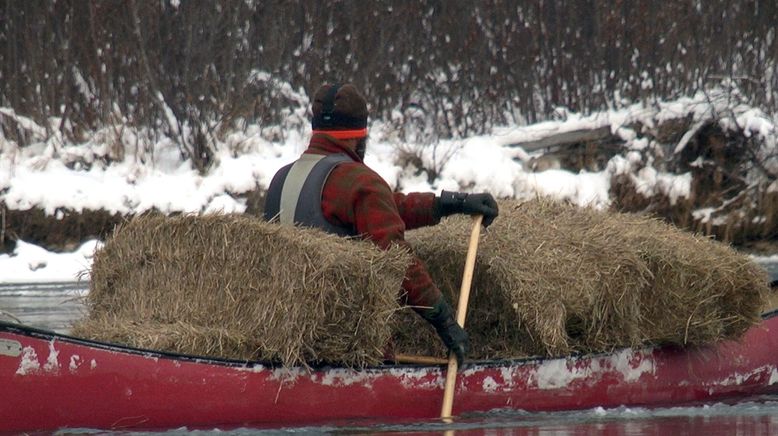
(52, 381)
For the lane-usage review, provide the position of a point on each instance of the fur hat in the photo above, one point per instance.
(340, 108)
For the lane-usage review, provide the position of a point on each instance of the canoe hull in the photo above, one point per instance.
(53, 381)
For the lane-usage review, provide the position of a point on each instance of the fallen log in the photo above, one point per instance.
(567, 139)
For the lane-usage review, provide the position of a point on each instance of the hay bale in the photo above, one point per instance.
(718, 292)
(552, 279)
(242, 288)
(176, 337)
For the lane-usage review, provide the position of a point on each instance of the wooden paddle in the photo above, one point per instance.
(464, 296)
(419, 360)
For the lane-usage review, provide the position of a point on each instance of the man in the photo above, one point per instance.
(331, 188)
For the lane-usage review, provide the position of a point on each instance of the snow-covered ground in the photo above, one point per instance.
(53, 176)
(32, 264)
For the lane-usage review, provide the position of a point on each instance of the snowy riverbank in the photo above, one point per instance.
(134, 178)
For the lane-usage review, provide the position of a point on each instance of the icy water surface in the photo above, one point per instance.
(52, 306)
(55, 306)
(758, 417)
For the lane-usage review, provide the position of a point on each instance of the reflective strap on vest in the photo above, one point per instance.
(294, 195)
(293, 186)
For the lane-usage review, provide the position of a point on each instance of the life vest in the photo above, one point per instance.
(294, 194)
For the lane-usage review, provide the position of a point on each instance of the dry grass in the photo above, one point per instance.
(245, 289)
(552, 279)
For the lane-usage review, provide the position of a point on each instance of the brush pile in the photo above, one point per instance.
(237, 287)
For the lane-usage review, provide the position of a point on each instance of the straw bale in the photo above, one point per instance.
(552, 279)
(255, 290)
(177, 337)
(718, 291)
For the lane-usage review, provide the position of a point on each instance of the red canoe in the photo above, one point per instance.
(51, 381)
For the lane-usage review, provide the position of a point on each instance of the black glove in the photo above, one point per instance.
(473, 204)
(441, 316)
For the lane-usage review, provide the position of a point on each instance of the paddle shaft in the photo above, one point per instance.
(464, 297)
(421, 360)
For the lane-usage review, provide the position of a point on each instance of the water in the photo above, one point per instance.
(52, 306)
(55, 306)
(770, 265)
(745, 418)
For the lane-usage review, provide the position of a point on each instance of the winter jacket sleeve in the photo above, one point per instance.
(354, 195)
(416, 209)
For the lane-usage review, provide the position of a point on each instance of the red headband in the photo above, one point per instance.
(344, 134)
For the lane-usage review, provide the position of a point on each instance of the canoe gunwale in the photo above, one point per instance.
(91, 384)
(491, 363)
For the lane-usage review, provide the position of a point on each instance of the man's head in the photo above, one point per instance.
(341, 112)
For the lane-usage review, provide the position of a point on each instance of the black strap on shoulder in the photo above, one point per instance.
(308, 210)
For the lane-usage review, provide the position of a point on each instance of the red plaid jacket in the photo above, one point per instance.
(354, 195)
